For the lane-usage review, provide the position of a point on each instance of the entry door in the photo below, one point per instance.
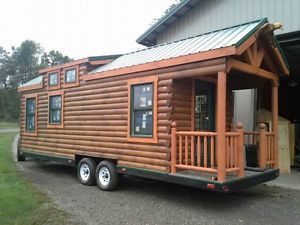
(204, 106)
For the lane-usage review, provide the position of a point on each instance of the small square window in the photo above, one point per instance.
(70, 76)
(53, 79)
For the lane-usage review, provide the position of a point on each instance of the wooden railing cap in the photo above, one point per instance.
(239, 125)
(262, 126)
(173, 124)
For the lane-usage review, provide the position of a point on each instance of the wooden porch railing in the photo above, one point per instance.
(197, 151)
(232, 152)
(251, 137)
(266, 147)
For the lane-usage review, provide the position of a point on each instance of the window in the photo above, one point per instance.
(55, 114)
(31, 114)
(142, 110)
(53, 80)
(71, 77)
(142, 124)
(55, 109)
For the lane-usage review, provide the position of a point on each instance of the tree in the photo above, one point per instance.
(18, 67)
(54, 58)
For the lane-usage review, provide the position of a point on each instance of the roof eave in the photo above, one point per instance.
(143, 38)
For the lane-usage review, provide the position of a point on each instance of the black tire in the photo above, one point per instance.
(109, 170)
(20, 158)
(86, 171)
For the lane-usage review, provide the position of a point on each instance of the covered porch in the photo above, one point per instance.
(207, 143)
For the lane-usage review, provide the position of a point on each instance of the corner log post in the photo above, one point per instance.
(221, 125)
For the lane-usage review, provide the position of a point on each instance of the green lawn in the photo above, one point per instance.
(8, 125)
(20, 202)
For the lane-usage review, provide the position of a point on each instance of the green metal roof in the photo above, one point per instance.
(231, 36)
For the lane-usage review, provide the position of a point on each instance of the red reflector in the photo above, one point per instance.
(211, 186)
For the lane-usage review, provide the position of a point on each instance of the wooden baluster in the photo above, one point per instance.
(198, 150)
(173, 146)
(192, 151)
(269, 148)
(186, 143)
(212, 151)
(180, 149)
(227, 152)
(205, 151)
(240, 150)
(231, 151)
(236, 151)
(262, 146)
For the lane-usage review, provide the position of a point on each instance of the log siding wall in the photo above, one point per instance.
(95, 122)
(96, 117)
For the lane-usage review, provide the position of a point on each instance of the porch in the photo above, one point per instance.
(217, 150)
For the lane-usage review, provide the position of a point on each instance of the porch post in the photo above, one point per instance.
(275, 122)
(173, 146)
(221, 125)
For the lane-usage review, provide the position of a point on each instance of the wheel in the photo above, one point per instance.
(106, 175)
(86, 171)
(20, 157)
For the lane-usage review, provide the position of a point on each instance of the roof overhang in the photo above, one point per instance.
(93, 60)
(148, 38)
(222, 43)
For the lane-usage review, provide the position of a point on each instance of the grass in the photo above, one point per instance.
(20, 202)
(4, 125)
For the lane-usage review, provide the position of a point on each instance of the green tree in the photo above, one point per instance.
(54, 58)
(18, 67)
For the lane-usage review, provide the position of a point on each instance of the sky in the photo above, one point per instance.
(78, 28)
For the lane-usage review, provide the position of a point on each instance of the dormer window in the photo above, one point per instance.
(71, 77)
(53, 80)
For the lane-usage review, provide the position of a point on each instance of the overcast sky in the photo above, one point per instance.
(78, 28)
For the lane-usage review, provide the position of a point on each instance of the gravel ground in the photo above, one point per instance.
(139, 201)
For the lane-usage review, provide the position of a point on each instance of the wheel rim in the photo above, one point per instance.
(84, 172)
(104, 176)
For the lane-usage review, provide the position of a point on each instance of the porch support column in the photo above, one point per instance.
(275, 122)
(221, 125)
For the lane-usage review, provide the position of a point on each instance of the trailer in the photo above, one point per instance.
(163, 113)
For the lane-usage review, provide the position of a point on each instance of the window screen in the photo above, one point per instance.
(70, 76)
(30, 114)
(55, 109)
(142, 110)
(53, 79)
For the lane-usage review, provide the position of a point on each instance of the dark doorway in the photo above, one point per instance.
(204, 106)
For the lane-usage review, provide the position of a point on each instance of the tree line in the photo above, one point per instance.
(19, 65)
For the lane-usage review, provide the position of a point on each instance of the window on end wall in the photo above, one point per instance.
(142, 110)
(31, 115)
(55, 114)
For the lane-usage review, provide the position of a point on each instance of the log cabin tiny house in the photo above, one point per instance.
(164, 112)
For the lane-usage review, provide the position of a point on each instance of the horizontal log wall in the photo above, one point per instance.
(181, 102)
(95, 123)
(95, 117)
